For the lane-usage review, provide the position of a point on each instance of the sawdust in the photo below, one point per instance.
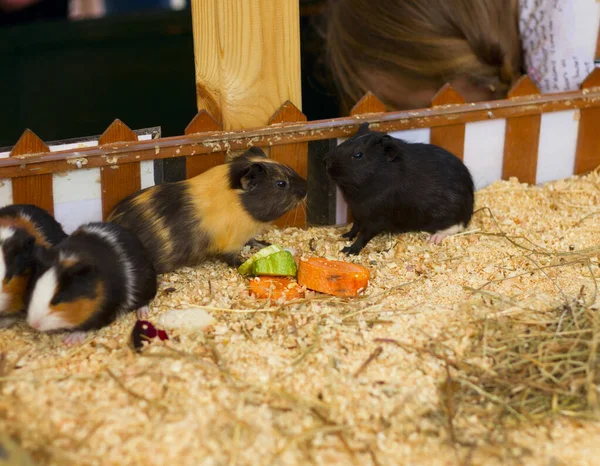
(324, 380)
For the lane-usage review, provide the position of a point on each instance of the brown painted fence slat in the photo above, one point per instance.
(34, 189)
(369, 103)
(118, 181)
(205, 143)
(295, 155)
(588, 140)
(203, 122)
(451, 137)
(522, 138)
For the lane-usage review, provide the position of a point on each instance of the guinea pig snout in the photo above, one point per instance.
(301, 189)
(327, 160)
(36, 324)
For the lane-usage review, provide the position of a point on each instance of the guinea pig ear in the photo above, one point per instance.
(77, 271)
(250, 179)
(390, 147)
(20, 252)
(23, 244)
(255, 151)
(363, 129)
(26, 250)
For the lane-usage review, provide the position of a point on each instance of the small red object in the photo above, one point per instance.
(145, 331)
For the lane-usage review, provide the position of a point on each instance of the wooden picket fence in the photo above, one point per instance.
(530, 136)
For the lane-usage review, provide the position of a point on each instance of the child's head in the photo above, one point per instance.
(406, 50)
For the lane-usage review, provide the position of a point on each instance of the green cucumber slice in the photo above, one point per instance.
(279, 264)
(246, 267)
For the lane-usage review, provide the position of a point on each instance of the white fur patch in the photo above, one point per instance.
(439, 236)
(39, 315)
(128, 270)
(6, 233)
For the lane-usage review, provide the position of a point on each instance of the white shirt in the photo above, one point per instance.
(559, 41)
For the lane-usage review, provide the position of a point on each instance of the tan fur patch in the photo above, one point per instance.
(220, 211)
(68, 262)
(19, 222)
(79, 311)
(15, 288)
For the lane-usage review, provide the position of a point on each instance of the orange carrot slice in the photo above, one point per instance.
(275, 288)
(333, 277)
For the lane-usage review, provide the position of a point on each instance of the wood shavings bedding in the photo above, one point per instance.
(320, 381)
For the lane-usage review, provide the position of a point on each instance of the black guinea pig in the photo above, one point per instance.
(99, 272)
(23, 227)
(395, 186)
(213, 214)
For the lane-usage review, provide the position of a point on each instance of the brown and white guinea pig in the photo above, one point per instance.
(213, 214)
(99, 272)
(23, 227)
(395, 186)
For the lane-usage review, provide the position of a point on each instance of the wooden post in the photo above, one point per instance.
(118, 181)
(587, 156)
(294, 155)
(522, 138)
(203, 122)
(34, 189)
(450, 137)
(247, 56)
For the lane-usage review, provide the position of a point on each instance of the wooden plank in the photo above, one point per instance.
(118, 180)
(522, 138)
(587, 156)
(247, 58)
(320, 202)
(295, 156)
(451, 137)
(369, 103)
(205, 143)
(598, 46)
(195, 165)
(33, 189)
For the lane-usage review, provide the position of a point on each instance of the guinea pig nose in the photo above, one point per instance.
(35, 324)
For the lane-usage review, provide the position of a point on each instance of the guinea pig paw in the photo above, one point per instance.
(74, 338)
(142, 313)
(437, 238)
(351, 251)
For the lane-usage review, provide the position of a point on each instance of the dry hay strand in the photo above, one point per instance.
(520, 370)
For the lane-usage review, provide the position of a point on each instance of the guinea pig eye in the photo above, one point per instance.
(357, 155)
(281, 184)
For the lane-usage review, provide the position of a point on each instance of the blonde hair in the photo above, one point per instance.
(424, 43)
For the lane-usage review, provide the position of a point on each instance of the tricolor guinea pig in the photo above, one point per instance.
(395, 186)
(23, 227)
(213, 214)
(99, 272)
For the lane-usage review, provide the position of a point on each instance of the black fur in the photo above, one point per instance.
(269, 190)
(44, 222)
(394, 186)
(18, 250)
(99, 262)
